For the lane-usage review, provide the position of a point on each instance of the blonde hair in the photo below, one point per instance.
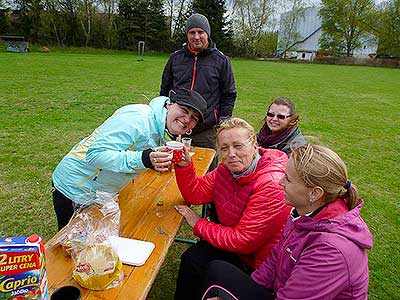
(237, 123)
(319, 166)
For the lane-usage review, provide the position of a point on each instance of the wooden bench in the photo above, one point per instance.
(142, 217)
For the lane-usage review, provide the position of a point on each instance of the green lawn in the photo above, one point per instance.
(48, 102)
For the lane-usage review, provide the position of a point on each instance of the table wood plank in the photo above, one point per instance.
(141, 218)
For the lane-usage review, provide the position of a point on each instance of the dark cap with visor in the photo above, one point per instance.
(191, 99)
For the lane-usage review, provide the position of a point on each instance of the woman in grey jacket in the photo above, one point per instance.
(280, 130)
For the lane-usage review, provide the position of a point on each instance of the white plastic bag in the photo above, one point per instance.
(87, 239)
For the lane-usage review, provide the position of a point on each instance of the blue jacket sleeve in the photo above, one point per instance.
(110, 149)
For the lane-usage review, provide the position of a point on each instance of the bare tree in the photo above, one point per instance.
(176, 10)
(87, 10)
(170, 12)
(251, 20)
(109, 7)
(288, 34)
(69, 12)
(52, 8)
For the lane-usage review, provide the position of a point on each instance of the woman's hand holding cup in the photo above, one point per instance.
(181, 156)
(185, 158)
(161, 159)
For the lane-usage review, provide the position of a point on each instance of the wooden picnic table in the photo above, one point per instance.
(143, 218)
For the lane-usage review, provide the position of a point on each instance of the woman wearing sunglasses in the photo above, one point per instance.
(322, 253)
(280, 130)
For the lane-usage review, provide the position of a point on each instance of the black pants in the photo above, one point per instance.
(63, 206)
(206, 139)
(193, 267)
(228, 282)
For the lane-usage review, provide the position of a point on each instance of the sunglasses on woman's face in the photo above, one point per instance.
(279, 116)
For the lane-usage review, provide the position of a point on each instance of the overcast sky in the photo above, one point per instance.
(281, 8)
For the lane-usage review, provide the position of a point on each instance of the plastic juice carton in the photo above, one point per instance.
(23, 274)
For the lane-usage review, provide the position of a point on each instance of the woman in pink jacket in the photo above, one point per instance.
(322, 253)
(248, 200)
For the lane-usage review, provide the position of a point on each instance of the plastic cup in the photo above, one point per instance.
(187, 142)
(177, 151)
(68, 292)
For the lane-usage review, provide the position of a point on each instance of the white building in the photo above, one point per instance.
(303, 42)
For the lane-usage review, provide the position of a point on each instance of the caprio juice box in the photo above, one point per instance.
(22, 268)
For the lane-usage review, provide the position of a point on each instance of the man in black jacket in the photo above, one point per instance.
(200, 66)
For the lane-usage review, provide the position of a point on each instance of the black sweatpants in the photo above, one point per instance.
(193, 267)
(63, 206)
(228, 282)
(206, 139)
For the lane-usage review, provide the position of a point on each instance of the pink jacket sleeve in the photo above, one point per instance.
(266, 272)
(194, 189)
(326, 275)
(257, 224)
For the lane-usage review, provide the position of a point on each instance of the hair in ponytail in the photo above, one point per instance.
(319, 166)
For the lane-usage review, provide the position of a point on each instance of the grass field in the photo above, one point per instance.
(48, 102)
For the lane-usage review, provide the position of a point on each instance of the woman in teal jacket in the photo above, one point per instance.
(120, 148)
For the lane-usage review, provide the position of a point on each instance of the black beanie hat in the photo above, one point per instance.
(198, 21)
(191, 99)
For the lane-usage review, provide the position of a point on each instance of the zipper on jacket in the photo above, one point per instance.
(216, 116)
(95, 177)
(284, 246)
(194, 73)
(92, 176)
(288, 250)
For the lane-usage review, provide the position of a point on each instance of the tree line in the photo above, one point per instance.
(346, 22)
(238, 27)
